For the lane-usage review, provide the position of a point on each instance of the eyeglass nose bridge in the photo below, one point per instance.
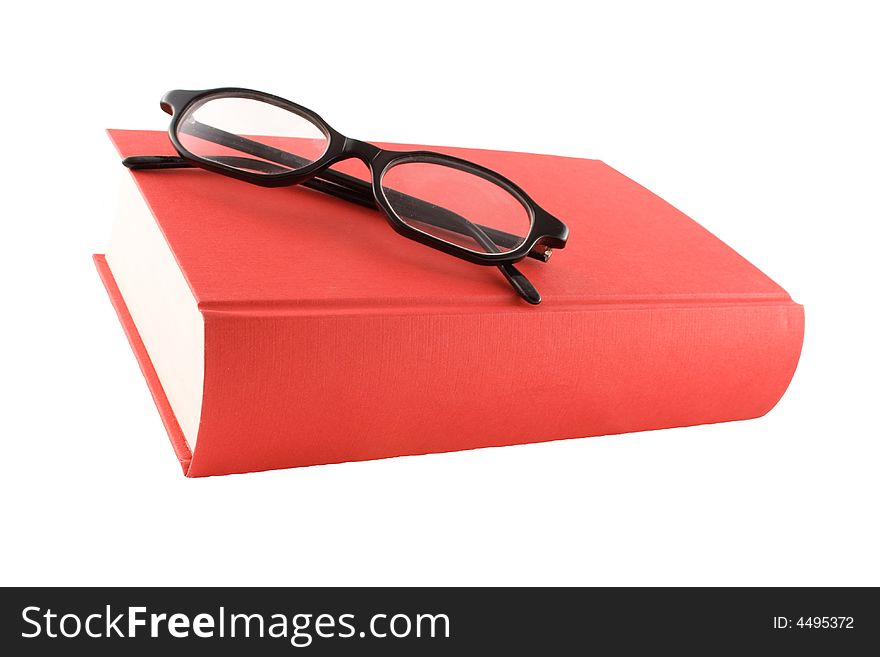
(360, 149)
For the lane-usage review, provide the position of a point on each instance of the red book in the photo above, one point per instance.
(282, 327)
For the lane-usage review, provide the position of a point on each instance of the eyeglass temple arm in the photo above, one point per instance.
(350, 189)
(427, 212)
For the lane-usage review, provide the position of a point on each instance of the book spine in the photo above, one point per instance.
(285, 388)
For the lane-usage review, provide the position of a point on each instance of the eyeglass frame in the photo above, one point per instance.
(546, 232)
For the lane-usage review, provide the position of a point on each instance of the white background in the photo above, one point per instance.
(759, 120)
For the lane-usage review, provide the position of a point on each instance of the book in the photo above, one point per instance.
(283, 327)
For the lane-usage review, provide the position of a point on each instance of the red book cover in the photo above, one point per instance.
(319, 335)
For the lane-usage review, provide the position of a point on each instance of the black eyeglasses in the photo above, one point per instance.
(447, 203)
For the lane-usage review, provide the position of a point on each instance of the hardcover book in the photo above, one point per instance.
(283, 327)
